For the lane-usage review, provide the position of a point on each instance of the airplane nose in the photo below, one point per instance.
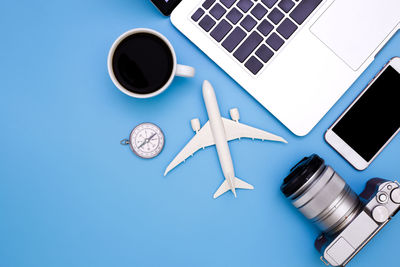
(208, 90)
(206, 83)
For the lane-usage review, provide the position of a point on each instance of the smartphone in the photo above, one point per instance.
(369, 124)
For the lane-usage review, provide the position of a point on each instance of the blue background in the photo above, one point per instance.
(71, 195)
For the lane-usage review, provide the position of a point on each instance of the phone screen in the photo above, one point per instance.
(374, 118)
(166, 6)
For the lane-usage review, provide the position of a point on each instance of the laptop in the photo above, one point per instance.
(295, 57)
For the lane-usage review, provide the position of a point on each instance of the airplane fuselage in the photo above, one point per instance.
(218, 131)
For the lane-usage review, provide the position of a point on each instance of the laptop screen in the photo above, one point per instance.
(166, 6)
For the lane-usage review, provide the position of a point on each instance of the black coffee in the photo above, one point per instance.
(142, 63)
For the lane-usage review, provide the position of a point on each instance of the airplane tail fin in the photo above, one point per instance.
(238, 184)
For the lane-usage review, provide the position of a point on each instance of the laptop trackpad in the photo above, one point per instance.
(354, 29)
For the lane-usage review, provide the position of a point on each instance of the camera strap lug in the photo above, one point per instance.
(324, 261)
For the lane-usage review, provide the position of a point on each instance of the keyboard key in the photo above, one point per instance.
(269, 3)
(248, 46)
(253, 65)
(207, 23)
(287, 28)
(265, 27)
(221, 30)
(217, 11)
(245, 5)
(234, 15)
(264, 53)
(208, 3)
(275, 16)
(275, 41)
(248, 23)
(304, 9)
(228, 3)
(259, 11)
(198, 14)
(233, 39)
(286, 5)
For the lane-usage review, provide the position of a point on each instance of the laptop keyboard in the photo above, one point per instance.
(253, 31)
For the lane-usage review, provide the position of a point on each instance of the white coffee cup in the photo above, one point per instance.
(175, 69)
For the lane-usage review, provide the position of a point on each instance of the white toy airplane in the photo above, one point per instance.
(218, 131)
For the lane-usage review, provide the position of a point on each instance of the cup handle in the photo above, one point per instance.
(184, 71)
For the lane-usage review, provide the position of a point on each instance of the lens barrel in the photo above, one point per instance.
(321, 195)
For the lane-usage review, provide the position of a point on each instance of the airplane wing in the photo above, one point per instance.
(235, 130)
(202, 139)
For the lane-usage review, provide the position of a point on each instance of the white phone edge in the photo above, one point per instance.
(346, 151)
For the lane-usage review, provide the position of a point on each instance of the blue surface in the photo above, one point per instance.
(70, 195)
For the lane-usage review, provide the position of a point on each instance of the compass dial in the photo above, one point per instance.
(147, 140)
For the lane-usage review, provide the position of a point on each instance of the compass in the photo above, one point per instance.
(146, 140)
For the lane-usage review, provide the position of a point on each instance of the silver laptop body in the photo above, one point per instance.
(296, 57)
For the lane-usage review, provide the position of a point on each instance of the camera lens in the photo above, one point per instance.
(321, 195)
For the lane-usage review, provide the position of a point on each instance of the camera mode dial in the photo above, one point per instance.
(395, 196)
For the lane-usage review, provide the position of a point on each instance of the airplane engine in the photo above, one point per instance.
(235, 114)
(195, 124)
